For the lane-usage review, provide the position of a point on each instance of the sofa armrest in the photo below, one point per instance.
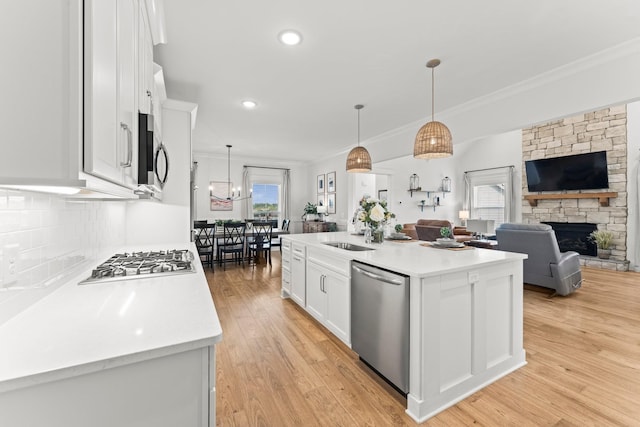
(461, 231)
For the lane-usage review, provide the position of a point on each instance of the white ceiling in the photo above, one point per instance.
(370, 52)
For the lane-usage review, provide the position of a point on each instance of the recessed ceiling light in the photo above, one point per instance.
(249, 104)
(290, 37)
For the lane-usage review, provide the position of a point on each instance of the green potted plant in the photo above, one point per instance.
(445, 232)
(310, 212)
(398, 228)
(603, 240)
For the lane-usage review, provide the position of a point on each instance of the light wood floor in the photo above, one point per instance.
(277, 367)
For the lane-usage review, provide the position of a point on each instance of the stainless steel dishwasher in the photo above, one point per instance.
(380, 321)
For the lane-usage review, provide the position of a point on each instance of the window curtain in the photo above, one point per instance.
(246, 208)
(501, 175)
(286, 194)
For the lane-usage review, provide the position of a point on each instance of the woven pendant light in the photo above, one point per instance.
(359, 159)
(433, 140)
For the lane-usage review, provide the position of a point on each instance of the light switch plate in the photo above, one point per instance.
(10, 258)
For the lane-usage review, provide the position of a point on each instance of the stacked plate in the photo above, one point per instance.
(399, 236)
(448, 243)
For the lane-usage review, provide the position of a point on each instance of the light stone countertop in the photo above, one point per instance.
(79, 329)
(409, 258)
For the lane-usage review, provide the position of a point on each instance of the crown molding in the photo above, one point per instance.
(622, 50)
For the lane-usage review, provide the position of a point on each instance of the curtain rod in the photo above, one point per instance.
(266, 167)
(488, 169)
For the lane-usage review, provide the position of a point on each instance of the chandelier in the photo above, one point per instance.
(433, 140)
(232, 193)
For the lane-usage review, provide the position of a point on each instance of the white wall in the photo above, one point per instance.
(633, 184)
(336, 164)
(214, 168)
(606, 79)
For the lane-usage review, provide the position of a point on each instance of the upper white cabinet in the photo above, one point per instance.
(80, 71)
(110, 84)
(146, 83)
(40, 82)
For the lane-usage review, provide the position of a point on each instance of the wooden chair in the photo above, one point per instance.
(204, 241)
(261, 241)
(232, 243)
(277, 241)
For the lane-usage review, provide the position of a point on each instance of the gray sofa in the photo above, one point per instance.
(546, 265)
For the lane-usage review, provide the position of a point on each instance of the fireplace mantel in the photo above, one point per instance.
(603, 198)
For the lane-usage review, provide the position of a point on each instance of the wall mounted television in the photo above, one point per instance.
(577, 172)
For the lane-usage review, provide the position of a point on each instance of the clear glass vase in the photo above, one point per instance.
(377, 233)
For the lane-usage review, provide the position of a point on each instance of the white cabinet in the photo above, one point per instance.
(285, 252)
(71, 116)
(179, 119)
(298, 273)
(40, 82)
(146, 84)
(329, 293)
(164, 391)
(110, 84)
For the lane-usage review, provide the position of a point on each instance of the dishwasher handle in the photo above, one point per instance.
(375, 276)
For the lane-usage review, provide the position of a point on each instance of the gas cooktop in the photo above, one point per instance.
(138, 265)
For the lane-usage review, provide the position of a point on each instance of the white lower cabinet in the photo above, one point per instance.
(285, 252)
(329, 299)
(298, 274)
(166, 391)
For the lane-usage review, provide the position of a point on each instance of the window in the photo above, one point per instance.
(489, 202)
(489, 194)
(266, 201)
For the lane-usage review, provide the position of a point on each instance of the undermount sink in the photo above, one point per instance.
(348, 246)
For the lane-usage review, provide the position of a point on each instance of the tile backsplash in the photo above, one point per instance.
(53, 235)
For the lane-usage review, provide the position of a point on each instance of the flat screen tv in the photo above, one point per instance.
(578, 172)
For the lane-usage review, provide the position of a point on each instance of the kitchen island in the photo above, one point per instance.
(465, 308)
(135, 352)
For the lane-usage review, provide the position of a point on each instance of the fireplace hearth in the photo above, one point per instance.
(574, 236)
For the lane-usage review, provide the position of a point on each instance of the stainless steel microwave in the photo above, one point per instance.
(153, 161)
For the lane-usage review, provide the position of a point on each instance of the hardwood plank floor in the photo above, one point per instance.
(276, 366)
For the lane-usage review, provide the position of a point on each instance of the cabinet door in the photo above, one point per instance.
(338, 314)
(110, 90)
(316, 292)
(285, 250)
(127, 23)
(146, 86)
(101, 90)
(298, 275)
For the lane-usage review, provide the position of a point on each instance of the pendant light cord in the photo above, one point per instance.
(433, 95)
(358, 127)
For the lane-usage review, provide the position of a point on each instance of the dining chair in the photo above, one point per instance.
(204, 241)
(261, 241)
(232, 242)
(277, 241)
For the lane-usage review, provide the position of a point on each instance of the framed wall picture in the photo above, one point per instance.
(218, 192)
(331, 182)
(382, 194)
(321, 200)
(331, 203)
(321, 184)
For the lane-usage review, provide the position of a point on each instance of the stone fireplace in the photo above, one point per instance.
(574, 236)
(600, 130)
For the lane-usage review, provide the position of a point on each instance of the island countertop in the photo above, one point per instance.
(79, 329)
(412, 258)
